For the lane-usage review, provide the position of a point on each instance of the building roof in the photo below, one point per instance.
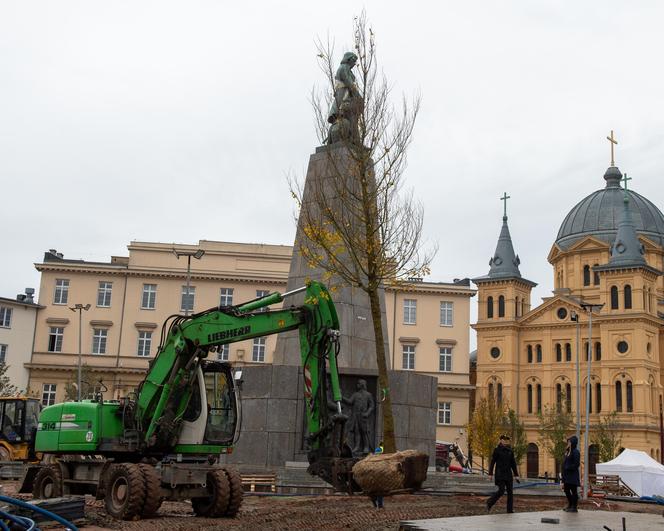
(15, 302)
(599, 215)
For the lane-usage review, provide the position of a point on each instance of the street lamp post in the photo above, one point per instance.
(590, 308)
(79, 308)
(575, 318)
(197, 254)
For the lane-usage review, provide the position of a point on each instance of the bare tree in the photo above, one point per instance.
(361, 228)
(556, 422)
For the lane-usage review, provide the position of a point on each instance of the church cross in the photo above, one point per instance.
(505, 198)
(613, 142)
(625, 179)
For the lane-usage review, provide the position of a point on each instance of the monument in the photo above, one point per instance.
(273, 428)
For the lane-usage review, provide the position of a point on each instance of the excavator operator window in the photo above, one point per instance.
(221, 408)
(193, 410)
(32, 409)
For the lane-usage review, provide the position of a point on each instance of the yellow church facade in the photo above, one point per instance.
(607, 262)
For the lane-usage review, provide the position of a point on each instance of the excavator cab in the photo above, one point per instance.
(18, 424)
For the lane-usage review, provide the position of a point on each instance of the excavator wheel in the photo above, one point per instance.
(125, 491)
(152, 490)
(217, 503)
(5, 453)
(48, 483)
(236, 491)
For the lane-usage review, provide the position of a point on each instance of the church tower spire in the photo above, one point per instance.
(504, 263)
(627, 250)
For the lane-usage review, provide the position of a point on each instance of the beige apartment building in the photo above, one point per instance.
(130, 297)
(17, 331)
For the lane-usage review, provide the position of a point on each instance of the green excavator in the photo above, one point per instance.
(163, 441)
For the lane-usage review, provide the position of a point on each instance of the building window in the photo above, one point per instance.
(568, 397)
(598, 397)
(260, 293)
(491, 391)
(619, 396)
(586, 347)
(590, 398)
(445, 359)
(586, 275)
(99, 337)
(559, 397)
(3, 354)
(598, 351)
(144, 343)
(596, 276)
(539, 353)
(517, 308)
(409, 311)
(187, 299)
(226, 297)
(48, 394)
(628, 297)
(408, 355)
(5, 317)
(149, 298)
(223, 352)
(568, 352)
(55, 339)
(104, 294)
(501, 306)
(539, 398)
(444, 413)
(446, 313)
(61, 291)
(614, 298)
(499, 393)
(559, 352)
(628, 397)
(258, 350)
(530, 398)
(530, 353)
(489, 308)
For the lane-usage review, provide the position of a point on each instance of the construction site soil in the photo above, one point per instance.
(327, 512)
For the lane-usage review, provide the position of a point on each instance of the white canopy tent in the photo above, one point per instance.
(638, 471)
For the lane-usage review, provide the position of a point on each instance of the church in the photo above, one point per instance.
(607, 264)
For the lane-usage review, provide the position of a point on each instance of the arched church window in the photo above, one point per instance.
(618, 396)
(539, 398)
(586, 275)
(598, 351)
(501, 306)
(489, 308)
(629, 399)
(596, 276)
(516, 306)
(530, 353)
(628, 297)
(530, 398)
(568, 397)
(614, 297)
(598, 397)
(559, 352)
(491, 390)
(559, 397)
(499, 394)
(539, 353)
(568, 352)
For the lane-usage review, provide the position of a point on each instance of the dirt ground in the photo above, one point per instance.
(337, 512)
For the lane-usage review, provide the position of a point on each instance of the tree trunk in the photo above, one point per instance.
(384, 397)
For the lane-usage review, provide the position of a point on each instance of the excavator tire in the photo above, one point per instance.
(236, 491)
(125, 491)
(152, 490)
(48, 483)
(217, 503)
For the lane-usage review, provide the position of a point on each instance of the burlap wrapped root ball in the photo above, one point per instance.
(384, 473)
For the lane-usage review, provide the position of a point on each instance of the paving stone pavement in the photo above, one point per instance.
(583, 520)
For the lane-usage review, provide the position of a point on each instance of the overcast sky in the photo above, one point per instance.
(179, 121)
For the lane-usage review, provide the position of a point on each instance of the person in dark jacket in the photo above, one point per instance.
(505, 465)
(570, 475)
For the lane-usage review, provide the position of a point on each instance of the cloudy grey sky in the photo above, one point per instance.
(178, 121)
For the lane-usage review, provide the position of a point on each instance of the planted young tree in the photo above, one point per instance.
(362, 229)
(556, 423)
(486, 425)
(87, 385)
(7, 388)
(517, 431)
(607, 436)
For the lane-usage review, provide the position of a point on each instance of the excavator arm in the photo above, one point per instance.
(165, 393)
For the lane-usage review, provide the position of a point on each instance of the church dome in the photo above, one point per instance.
(599, 213)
